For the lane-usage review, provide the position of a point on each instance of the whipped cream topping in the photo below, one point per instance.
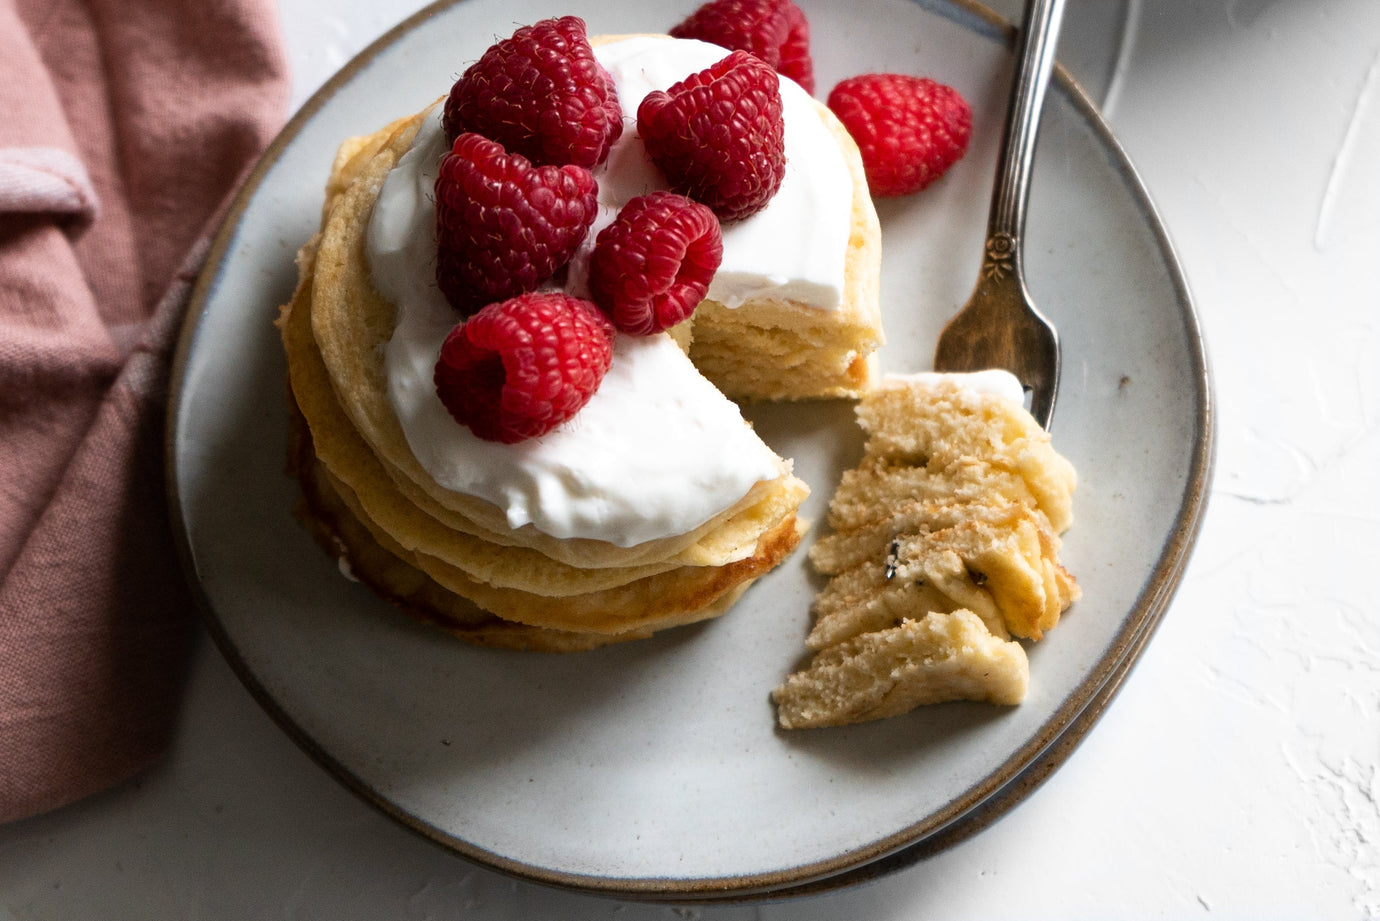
(992, 382)
(793, 249)
(658, 450)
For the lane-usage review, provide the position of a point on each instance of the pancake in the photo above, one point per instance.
(935, 659)
(520, 584)
(452, 559)
(943, 552)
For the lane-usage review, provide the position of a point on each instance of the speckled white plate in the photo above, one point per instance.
(654, 769)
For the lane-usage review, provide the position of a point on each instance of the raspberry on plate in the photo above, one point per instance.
(539, 93)
(504, 226)
(652, 266)
(774, 30)
(719, 136)
(910, 130)
(517, 369)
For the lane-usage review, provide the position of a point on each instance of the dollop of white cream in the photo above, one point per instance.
(992, 382)
(793, 249)
(658, 450)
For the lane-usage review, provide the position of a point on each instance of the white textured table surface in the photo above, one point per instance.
(1237, 774)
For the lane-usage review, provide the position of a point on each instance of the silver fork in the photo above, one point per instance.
(1000, 327)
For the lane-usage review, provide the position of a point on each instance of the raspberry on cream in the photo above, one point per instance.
(483, 192)
(652, 266)
(774, 30)
(719, 135)
(550, 108)
(519, 368)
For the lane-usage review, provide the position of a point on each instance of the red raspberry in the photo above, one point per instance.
(503, 226)
(796, 62)
(909, 129)
(539, 93)
(517, 369)
(774, 30)
(718, 135)
(652, 266)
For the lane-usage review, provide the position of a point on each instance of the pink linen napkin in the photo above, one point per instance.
(124, 126)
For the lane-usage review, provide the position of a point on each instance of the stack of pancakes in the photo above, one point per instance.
(451, 559)
(944, 546)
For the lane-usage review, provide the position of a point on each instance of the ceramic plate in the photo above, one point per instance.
(654, 769)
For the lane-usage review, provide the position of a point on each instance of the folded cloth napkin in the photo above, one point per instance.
(124, 126)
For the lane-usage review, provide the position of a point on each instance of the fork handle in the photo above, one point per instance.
(1034, 62)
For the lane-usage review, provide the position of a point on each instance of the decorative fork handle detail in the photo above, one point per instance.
(1000, 260)
(999, 326)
